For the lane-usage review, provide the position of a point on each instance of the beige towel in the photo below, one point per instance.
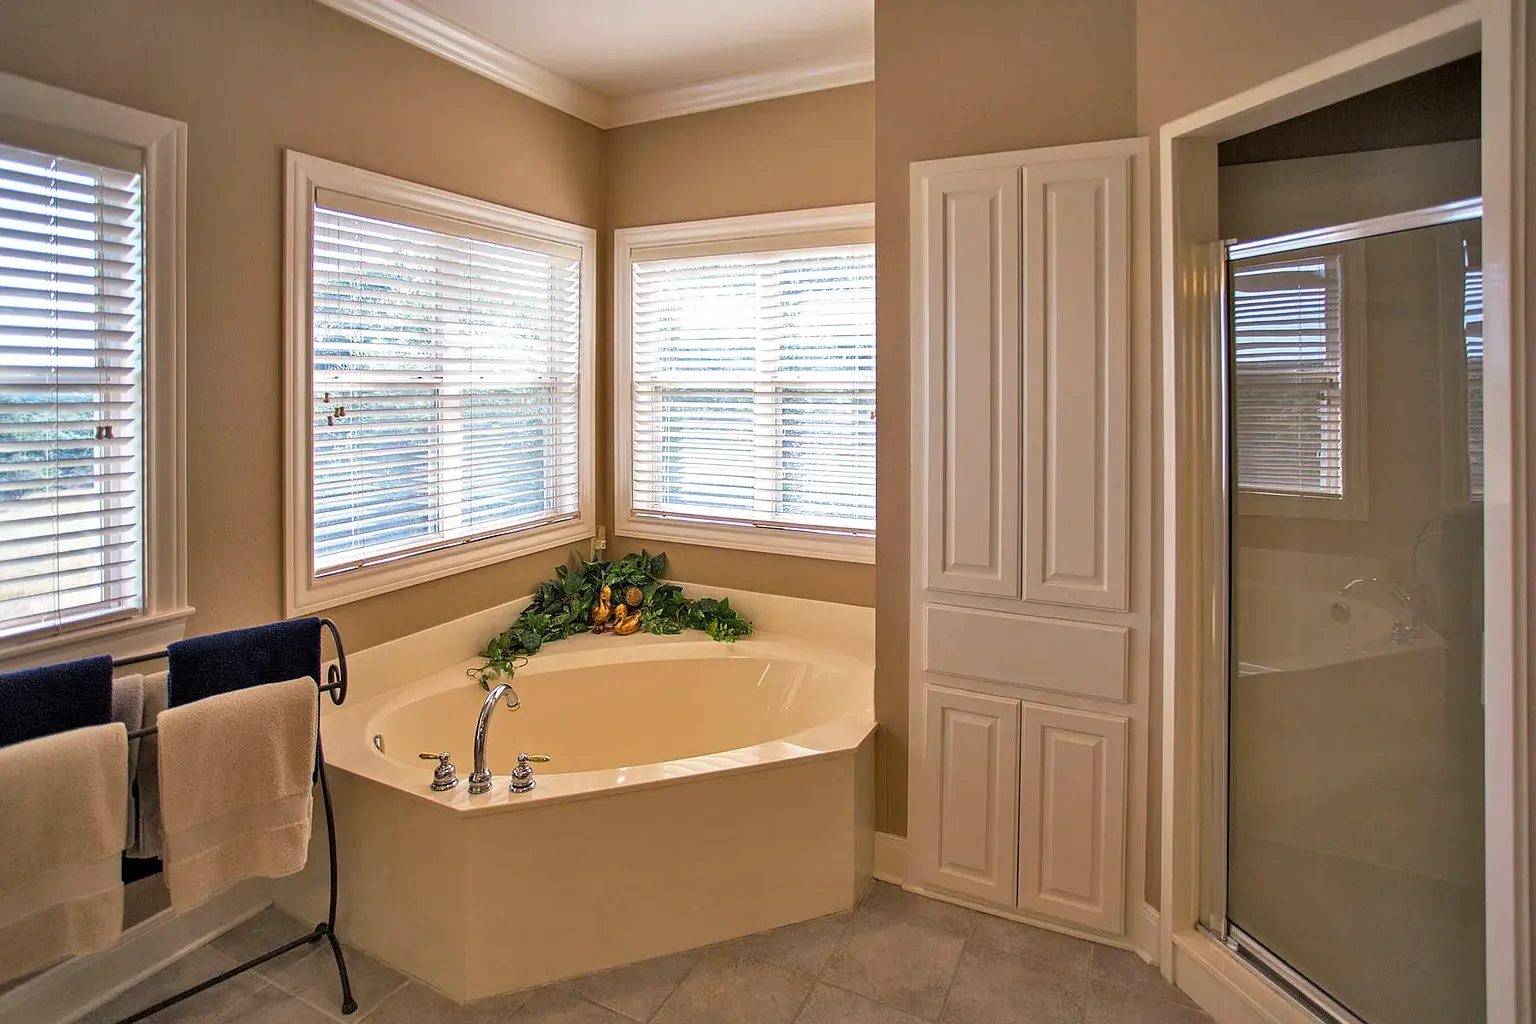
(61, 883)
(147, 831)
(235, 787)
(128, 708)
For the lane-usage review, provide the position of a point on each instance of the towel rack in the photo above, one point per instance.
(335, 685)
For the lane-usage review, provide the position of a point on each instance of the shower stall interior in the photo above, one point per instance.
(1344, 850)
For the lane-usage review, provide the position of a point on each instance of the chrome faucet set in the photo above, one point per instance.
(522, 780)
(1402, 632)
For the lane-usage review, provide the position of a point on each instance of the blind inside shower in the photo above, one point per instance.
(1288, 375)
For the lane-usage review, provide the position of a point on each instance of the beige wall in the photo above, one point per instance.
(965, 76)
(250, 79)
(786, 154)
(1191, 53)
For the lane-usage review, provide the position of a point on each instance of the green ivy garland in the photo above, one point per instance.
(562, 607)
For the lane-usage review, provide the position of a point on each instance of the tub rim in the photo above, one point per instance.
(346, 731)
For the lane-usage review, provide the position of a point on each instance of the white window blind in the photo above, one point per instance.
(446, 366)
(753, 388)
(1472, 333)
(1288, 348)
(71, 410)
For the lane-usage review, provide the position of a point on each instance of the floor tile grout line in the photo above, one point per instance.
(950, 988)
(803, 999)
(873, 999)
(675, 985)
(404, 981)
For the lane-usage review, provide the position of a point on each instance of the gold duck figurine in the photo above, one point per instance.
(603, 610)
(625, 619)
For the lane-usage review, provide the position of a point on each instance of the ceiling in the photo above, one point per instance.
(614, 62)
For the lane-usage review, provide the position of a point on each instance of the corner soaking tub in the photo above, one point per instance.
(696, 791)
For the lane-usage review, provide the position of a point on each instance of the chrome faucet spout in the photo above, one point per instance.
(1402, 632)
(480, 778)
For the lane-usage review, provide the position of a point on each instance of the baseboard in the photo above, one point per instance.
(1228, 989)
(890, 857)
(1143, 931)
(76, 987)
(1033, 920)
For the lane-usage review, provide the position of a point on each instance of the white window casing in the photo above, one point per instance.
(744, 383)
(439, 366)
(92, 377)
(1298, 383)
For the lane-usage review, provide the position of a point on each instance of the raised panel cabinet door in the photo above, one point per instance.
(1077, 329)
(1072, 810)
(966, 341)
(970, 786)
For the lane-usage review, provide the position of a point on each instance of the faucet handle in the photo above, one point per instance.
(522, 775)
(446, 776)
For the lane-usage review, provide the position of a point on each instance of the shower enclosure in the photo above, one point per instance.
(1345, 856)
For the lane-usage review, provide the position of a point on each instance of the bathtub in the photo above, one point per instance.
(696, 791)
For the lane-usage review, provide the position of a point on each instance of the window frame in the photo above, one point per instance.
(303, 592)
(803, 542)
(1354, 503)
(163, 617)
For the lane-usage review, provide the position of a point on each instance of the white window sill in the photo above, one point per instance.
(310, 596)
(1295, 506)
(120, 638)
(797, 543)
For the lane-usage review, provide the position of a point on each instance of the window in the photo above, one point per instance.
(1296, 384)
(746, 383)
(439, 385)
(91, 548)
(1472, 335)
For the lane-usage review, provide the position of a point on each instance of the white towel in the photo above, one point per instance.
(235, 787)
(147, 838)
(61, 883)
(128, 708)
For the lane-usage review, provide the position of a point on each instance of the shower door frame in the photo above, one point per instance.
(1193, 600)
(1217, 262)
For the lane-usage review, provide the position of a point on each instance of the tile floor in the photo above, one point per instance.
(895, 959)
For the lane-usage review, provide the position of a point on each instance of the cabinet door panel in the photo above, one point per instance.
(1077, 246)
(968, 340)
(1072, 811)
(971, 789)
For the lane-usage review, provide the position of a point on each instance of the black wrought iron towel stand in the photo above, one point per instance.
(335, 685)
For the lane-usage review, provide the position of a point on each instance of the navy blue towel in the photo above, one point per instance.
(38, 702)
(223, 662)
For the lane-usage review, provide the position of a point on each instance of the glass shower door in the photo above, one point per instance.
(1354, 861)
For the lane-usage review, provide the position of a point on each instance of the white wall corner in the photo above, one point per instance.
(76, 987)
(890, 857)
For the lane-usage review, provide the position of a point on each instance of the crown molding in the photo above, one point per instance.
(449, 41)
(405, 20)
(788, 80)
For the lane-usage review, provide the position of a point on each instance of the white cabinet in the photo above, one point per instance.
(1032, 403)
(970, 789)
(1072, 817)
